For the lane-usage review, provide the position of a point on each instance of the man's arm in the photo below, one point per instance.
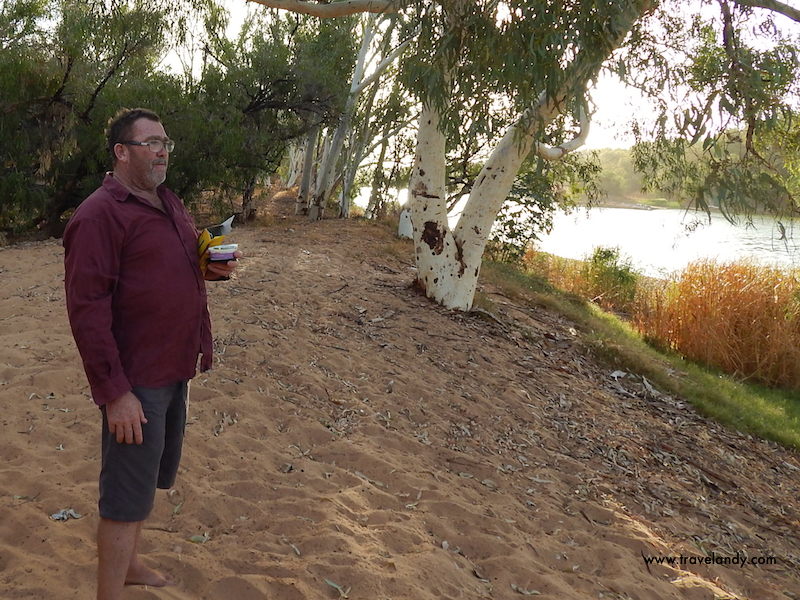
(125, 418)
(91, 268)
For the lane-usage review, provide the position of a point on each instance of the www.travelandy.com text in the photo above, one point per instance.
(739, 560)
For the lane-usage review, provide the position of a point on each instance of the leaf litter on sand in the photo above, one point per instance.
(342, 592)
(65, 514)
(26, 498)
(525, 592)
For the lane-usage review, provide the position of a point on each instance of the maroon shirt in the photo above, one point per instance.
(136, 298)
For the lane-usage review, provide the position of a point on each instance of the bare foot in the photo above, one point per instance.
(140, 574)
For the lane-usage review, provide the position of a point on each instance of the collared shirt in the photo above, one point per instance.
(136, 298)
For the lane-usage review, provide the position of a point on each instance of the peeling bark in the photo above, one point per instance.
(434, 237)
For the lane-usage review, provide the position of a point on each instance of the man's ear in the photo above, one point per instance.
(121, 152)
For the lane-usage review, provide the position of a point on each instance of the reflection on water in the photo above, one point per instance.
(662, 241)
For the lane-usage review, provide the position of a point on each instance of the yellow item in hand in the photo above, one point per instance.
(204, 242)
(212, 236)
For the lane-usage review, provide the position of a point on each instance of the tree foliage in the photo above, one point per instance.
(66, 66)
(58, 71)
(733, 73)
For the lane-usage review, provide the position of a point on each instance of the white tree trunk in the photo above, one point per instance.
(358, 84)
(357, 145)
(378, 178)
(295, 171)
(335, 9)
(492, 186)
(448, 262)
(326, 175)
(439, 257)
(301, 206)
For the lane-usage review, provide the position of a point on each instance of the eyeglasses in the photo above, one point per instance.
(155, 146)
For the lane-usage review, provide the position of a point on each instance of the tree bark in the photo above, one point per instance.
(774, 6)
(448, 262)
(378, 177)
(295, 171)
(438, 254)
(301, 206)
(248, 203)
(324, 187)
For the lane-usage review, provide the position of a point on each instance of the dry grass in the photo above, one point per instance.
(741, 318)
(604, 278)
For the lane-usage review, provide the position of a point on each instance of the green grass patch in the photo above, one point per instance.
(768, 413)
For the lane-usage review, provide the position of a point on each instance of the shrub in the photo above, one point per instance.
(611, 279)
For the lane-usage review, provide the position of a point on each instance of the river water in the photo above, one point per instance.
(661, 241)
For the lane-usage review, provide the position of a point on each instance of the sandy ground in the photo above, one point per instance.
(355, 440)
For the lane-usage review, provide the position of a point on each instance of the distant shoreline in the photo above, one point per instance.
(635, 204)
(623, 204)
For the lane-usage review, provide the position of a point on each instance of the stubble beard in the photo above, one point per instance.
(157, 176)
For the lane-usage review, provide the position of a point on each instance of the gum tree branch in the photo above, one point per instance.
(774, 6)
(558, 152)
(333, 9)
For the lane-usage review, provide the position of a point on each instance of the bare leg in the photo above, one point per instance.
(138, 572)
(116, 543)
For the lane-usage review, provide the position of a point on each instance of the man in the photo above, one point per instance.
(136, 301)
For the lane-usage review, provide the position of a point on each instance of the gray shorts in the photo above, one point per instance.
(131, 473)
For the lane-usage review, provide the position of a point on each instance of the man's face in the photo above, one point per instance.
(146, 168)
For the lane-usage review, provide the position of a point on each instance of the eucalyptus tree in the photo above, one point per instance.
(336, 136)
(393, 165)
(61, 73)
(324, 54)
(377, 123)
(67, 65)
(532, 64)
(378, 49)
(23, 59)
(294, 160)
(267, 92)
(732, 144)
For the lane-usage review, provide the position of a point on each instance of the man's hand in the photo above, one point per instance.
(125, 418)
(221, 270)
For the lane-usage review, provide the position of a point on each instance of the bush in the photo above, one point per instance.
(610, 279)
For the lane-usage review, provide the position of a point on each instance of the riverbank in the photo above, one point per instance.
(739, 317)
(632, 203)
(762, 411)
